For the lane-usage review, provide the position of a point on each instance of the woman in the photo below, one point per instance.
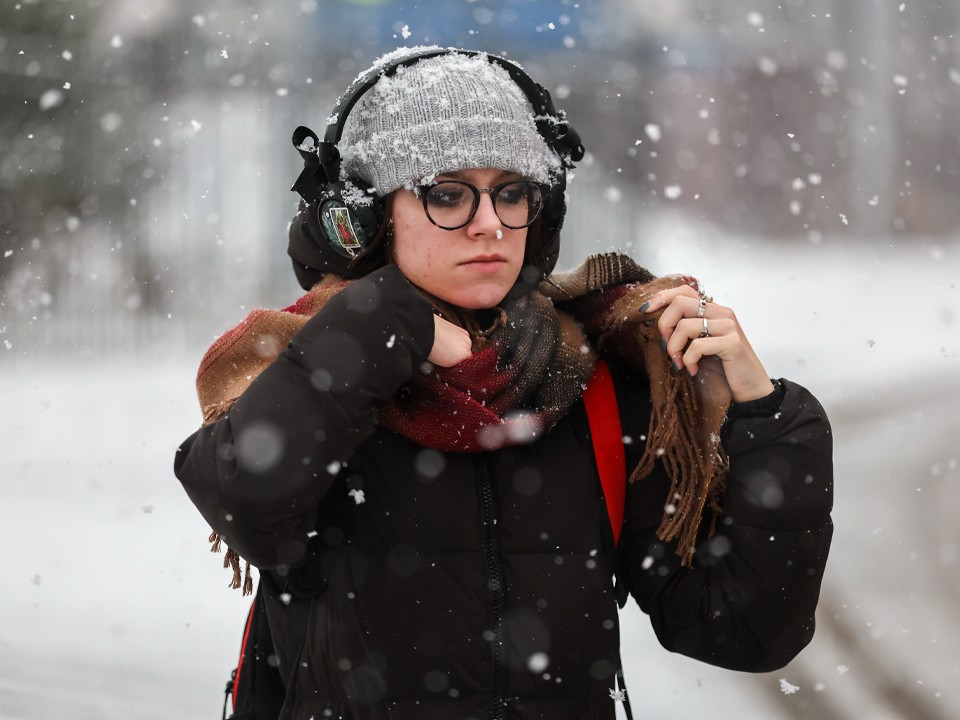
(406, 457)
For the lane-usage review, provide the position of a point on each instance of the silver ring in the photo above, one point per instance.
(703, 307)
(703, 296)
(706, 329)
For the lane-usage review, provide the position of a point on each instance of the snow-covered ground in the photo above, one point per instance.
(111, 606)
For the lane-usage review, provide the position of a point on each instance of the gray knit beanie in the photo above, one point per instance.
(444, 114)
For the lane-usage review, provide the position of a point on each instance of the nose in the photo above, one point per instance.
(485, 221)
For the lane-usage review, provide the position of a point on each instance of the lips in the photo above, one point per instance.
(484, 259)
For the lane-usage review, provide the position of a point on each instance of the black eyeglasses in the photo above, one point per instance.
(451, 204)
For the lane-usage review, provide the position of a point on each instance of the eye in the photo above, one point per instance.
(516, 193)
(446, 195)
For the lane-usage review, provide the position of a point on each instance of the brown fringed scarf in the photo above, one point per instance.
(527, 376)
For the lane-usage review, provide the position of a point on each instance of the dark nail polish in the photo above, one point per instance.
(663, 344)
(643, 308)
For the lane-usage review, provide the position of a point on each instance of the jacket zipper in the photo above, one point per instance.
(491, 554)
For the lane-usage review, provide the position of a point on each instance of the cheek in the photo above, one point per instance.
(415, 259)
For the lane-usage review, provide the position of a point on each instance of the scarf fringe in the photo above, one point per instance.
(232, 560)
(674, 443)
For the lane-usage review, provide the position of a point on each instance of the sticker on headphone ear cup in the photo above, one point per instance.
(341, 227)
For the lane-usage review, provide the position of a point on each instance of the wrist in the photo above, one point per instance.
(755, 392)
(764, 406)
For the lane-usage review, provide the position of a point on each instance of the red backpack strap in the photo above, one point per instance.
(600, 400)
(233, 684)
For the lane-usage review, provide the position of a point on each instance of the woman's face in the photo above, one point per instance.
(472, 267)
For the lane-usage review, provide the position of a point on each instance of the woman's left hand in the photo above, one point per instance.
(694, 328)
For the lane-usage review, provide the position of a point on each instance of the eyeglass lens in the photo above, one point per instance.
(452, 204)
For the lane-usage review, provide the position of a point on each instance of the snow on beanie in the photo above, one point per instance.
(444, 114)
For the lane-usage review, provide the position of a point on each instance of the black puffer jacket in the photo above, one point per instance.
(479, 585)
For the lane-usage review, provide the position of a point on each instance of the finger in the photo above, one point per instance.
(701, 348)
(682, 306)
(665, 297)
(689, 330)
(677, 338)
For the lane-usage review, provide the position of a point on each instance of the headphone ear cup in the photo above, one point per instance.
(349, 215)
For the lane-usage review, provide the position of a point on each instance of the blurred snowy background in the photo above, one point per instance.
(802, 157)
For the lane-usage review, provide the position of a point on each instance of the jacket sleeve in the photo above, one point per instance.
(748, 601)
(258, 473)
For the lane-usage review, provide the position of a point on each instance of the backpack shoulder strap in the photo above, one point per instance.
(603, 416)
(600, 400)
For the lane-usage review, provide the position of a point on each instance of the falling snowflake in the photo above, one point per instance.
(538, 662)
(787, 688)
(357, 495)
(768, 66)
(51, 99)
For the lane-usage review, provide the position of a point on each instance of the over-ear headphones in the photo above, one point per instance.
(348, 212)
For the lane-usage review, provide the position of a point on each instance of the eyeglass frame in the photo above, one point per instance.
(425, 188)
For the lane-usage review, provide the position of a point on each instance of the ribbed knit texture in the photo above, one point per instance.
(443, 114)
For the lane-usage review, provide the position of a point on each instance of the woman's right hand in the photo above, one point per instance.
(451, 343)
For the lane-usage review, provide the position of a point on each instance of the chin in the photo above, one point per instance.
(478, 298)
